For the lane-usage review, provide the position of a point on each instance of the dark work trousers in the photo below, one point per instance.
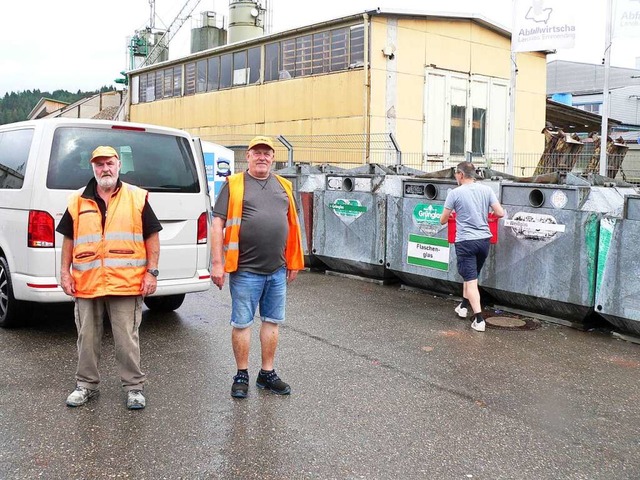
(125, 314)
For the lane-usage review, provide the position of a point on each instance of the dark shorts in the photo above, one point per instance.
(471, 256)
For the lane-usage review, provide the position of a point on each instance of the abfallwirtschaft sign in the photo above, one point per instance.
(540, 25)
(626, 20)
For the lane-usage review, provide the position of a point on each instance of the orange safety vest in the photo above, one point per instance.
(294, 257)
(113, 261)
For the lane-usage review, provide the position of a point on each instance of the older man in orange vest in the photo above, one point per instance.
(109, 263)
(255, 237)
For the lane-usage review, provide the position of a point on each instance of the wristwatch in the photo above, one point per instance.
(153, 271)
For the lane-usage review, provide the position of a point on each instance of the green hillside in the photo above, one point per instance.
(15, 106)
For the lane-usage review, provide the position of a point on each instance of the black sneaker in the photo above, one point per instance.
(271, 381)
(240, 385)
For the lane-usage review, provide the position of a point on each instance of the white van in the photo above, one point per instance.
(43, 161)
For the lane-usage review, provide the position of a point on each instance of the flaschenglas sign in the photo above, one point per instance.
(543, 25)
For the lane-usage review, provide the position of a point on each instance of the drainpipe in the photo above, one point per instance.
(367, 87)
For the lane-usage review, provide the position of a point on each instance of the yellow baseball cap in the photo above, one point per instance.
(268, 141)
(103, 151)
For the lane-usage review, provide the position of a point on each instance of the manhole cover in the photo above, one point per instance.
(501, 320)
(506, 322)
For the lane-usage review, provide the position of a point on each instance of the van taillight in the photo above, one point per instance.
(41, 232)
(203, 231)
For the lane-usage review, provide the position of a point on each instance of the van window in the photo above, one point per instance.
(155, 162)
(14, 153)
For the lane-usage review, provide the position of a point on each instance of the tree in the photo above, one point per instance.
(15, 106)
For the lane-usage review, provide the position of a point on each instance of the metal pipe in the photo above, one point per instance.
(512, 113)
(398, 152)
(605, 95)
(289, 147)
(367, 87)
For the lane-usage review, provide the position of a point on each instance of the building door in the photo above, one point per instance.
(465, 116)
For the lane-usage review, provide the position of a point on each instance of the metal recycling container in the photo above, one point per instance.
(545, 261)
(305, 179)
(350, 219)
(618, 278)
(418, 251)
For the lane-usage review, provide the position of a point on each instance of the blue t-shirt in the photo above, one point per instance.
(472, 203)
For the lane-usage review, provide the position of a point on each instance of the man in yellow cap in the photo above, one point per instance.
(255, 237)
(109, 263)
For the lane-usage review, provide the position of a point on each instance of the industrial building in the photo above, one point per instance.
(436, 84)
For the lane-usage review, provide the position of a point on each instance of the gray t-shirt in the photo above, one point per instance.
(472, 203)
(264, 227)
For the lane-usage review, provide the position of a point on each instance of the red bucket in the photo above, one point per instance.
(451, 228)
(493, 227)
(491, 219)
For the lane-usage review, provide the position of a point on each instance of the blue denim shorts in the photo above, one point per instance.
(471, 256)
(248, 290)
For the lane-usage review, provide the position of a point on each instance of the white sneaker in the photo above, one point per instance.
(461, 311)
(80, 396)
(478, 326)
(135, 400)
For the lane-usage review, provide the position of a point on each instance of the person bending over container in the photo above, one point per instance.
(109, 263)
(256, 238)
(471, 201)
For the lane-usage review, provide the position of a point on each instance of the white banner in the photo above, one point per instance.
(626, 19)
(543, 25)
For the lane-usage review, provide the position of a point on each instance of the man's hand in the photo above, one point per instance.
(67, 283)
(217, 275)
(148, 285)
(291, 275)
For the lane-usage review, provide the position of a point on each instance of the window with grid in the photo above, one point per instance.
(190, 78)
(303, 56)
(339, 39)
(177, 81)
(213, 79)
(226, 70)
(201, 76)
(321, 53)
(159, 84)
(168, 82)
(271, 61)
(142, 93)
(240, 68)
(151, 87)
(254, 60)
(288, 59)
(356, 45)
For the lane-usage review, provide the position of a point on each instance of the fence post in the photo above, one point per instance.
(289, 147)
(398, 152)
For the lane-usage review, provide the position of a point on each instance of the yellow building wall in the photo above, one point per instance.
(324, 104)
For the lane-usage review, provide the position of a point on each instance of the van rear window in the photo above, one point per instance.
(14, 152)
(153, 161)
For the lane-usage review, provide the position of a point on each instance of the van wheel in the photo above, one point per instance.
(10, 308)
(166, 303)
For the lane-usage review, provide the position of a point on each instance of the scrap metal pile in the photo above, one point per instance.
(562, 151)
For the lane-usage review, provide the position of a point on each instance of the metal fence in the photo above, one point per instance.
(353, 150)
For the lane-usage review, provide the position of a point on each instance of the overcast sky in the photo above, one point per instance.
(82, 44)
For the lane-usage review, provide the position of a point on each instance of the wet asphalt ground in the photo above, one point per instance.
(386, 383)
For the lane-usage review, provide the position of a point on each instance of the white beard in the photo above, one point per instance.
(107, 182)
